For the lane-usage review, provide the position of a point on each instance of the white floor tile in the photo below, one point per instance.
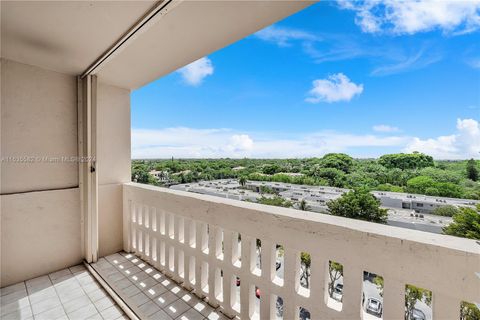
(51, 314)
(45, 305)
(149, 308)
(111, 313)
(83, 313)
(104, 303)
(76, 304)
(176, 308)
(13, 288)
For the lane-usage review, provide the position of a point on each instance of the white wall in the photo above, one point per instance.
(40, 229)
(38, 119)
(40, 233)
(113, 163)
(40, 203)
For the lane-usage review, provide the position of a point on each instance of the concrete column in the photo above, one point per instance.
(248, 245)
(199, 257)
(318, 286)
(352, 291)
(268, 272)
(291, 274)
(227, 274)
(445, 307)
(393, 299)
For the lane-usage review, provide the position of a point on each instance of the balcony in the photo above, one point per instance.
(191, 256)
(194, 240)
(79, 240)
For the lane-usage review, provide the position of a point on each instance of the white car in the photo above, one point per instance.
(338, 292)
(374, 306)
(417, 315)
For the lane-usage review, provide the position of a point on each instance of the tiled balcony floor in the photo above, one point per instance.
(149, 293)
(71, 293)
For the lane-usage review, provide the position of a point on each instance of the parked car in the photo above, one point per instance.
(238, 281)
(374, 306)
(417, 315)
(338, 292)
(257, 293)
(278, 264)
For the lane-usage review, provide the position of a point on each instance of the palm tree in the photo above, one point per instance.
(242, 181)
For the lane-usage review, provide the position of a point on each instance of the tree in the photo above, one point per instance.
(242, 181)
(140, 174)
(379, 283)
(420, 184)
(335, 272)
(358, 204)
(388, 187)
(270, 169)
(440, 175)
(338, 161)
(306, 261)
(469, 311)
(275, 201)
(335, 177)
(446, 211)
(465, 224)
(302, 205)
(426, 185)
(414, 294)
(404, 161)
(472, 170)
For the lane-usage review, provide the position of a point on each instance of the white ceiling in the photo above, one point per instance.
(68, 36)
(188, 32)
(64, 36)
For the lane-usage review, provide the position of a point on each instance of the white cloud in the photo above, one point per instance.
(220, 143)
(411, 16)
(465, 143)
(194, 73)
(337, 87)
(474, 63)
(240, 143)
(385, 128)
(189, 143)
(284, 36)
(418, 61)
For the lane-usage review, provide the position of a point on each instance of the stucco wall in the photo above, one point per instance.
(40, 233)
(40, 208)
(38, 119)
(113, 163)
(40, 213)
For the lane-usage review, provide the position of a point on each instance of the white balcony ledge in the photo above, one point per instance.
(443, 264)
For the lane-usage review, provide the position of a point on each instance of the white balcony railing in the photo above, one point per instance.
(194, 239)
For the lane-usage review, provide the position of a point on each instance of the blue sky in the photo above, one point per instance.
(365, 78)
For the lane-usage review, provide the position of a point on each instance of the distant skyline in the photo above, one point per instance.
(365, 78)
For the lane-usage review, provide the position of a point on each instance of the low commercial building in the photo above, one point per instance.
(405, 210)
